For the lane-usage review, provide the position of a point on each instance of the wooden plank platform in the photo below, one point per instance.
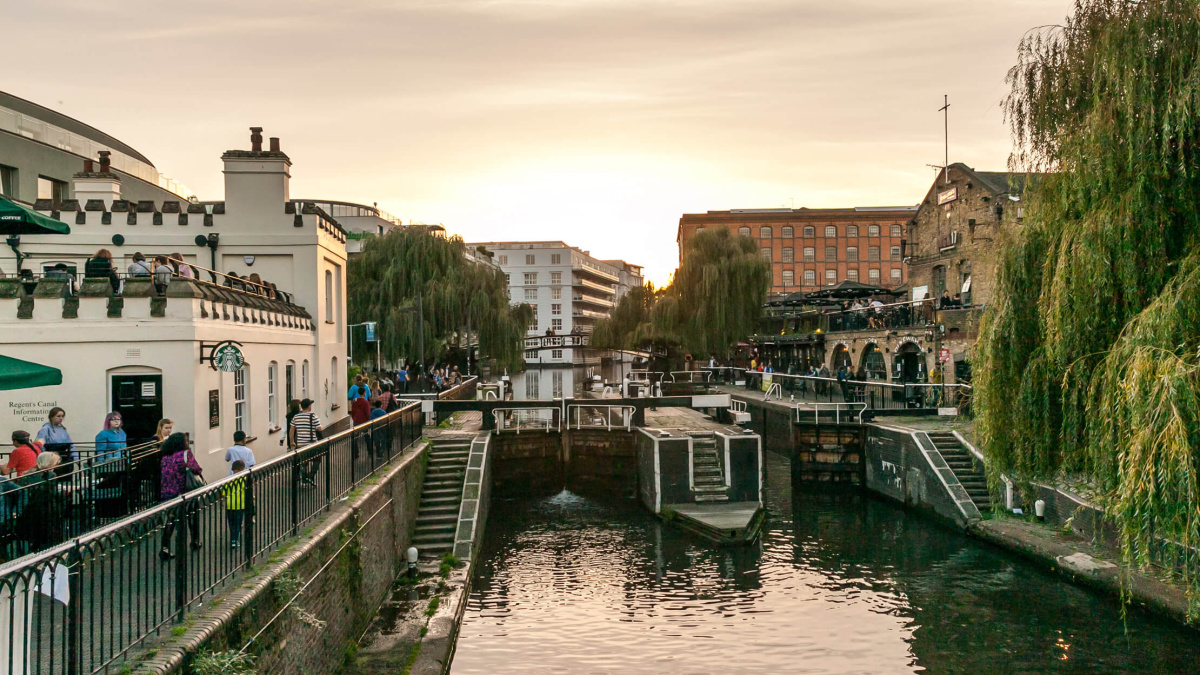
(728, 523)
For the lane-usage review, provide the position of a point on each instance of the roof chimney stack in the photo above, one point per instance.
(105, 162)
(255, 139)
(275, 144)
(89, 166)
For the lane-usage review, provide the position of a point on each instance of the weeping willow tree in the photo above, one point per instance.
(1095, 327)
(385, 279)
(712, 302)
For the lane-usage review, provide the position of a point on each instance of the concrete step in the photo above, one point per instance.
(436, 528)
(425, 518)
(708, 499)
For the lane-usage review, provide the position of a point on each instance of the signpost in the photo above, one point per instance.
(944, 355)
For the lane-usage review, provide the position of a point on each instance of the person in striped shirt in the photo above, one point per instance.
(306, 428)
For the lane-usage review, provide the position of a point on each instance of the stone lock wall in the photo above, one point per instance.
(600, 462)
(828, 454)
(351, 555)
(527, 463)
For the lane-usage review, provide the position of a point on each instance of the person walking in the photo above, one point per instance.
(235, 503)
(360, 409)
(238, 452)
(292, 411)
(111, 439)
(55, 437)
(307, 430)
(402, 380)
(180, 474)
(377, 411)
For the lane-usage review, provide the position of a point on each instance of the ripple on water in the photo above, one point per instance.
(839, 584)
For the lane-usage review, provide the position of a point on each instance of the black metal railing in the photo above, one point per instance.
(82, 606)
(877, 394)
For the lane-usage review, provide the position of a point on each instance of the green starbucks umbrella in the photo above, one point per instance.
(18, 374)
(18, 219)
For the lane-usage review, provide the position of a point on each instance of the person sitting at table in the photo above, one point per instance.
(111, 439)
(100, 266)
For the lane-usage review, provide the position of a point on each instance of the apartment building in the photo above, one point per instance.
(811, 248)
(568, 289)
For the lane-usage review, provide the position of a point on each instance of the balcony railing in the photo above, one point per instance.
(591, 299)
(588, 283)
(589, 267)
(587, 314)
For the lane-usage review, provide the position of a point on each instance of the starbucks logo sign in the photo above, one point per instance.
(228, 358)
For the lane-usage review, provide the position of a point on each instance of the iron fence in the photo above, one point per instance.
(83, 605)
(516, 420)
(877, 395)
(607, 417)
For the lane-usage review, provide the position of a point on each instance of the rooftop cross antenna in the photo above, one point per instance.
(945, 109)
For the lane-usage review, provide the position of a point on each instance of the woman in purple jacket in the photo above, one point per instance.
(177, 457)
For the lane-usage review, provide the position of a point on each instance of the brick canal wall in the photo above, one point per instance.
(351, 556)
(601, 462)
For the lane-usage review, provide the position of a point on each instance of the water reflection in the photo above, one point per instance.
(546, 383)
(841, 583)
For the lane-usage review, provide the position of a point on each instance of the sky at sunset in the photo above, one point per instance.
(597, 122)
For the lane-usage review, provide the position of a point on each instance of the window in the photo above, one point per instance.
(789, 278)
(764, 232)
(872, 230)
(556, 354)
(896, 254)
(939, 280)
(328, 296)
(744, 231)
(54, 190)
(556, 277)
(873, 253)
(531, 386)
(831, 253)
(851, 254)
(508, 278)
(896, 231)
(304, 379)
(830, 277)
(530, 259)
(556, 378)
(810, 231)
(765, 253)
(531, 294)
(8, 181)
(556, 325)
(531, 354)
(289, 381)
(240, 423)
(787, 232)
(272, 413)
(896, 275)
(810, 278)
(873, 275)
(504, 261)
(810, 254)
(788, 254)
(852, 274)
(556, 309)
(830, 231)
(851, 230)
(531, 278)
(556, 294)
(555, 258)
(534, 326)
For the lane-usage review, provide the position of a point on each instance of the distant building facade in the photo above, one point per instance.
(629, 277)
(40, 150)
(954, 237)
(568, 289)
(811, 248)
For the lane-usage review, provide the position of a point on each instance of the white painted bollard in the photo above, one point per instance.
(1039, 510)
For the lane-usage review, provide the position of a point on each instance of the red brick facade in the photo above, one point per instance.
(811, 248)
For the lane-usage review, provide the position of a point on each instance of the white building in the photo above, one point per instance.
(568, 289)
(360, 222)
(141, 353)
(629, 277)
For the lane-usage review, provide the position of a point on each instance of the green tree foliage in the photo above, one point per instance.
(712, 302)
(1095, 327)
(384, 281)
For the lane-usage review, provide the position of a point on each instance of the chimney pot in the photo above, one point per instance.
(256, 139)
(88, 166)
(105, 161)
(274, 144)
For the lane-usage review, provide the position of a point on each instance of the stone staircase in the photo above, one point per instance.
(707, 469)
(965, 467)
(441, 496)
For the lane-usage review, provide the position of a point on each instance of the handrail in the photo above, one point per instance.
(503, 418)
(836, 407)
(707, 375)
(574, 411)
(774, 389)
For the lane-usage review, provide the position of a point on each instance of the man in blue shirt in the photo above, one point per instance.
(377, 411)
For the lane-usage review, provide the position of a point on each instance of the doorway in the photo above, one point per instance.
(910, 364)
(139, 400)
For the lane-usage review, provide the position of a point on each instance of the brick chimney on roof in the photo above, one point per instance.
(255, 139)
(275, 144)
(105, 162)
(89, 166)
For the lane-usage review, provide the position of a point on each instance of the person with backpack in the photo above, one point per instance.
(181, 473)
(306, 431)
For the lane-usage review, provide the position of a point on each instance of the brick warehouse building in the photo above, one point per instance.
(810, 248)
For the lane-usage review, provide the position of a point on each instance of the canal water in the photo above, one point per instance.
(841, 583)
